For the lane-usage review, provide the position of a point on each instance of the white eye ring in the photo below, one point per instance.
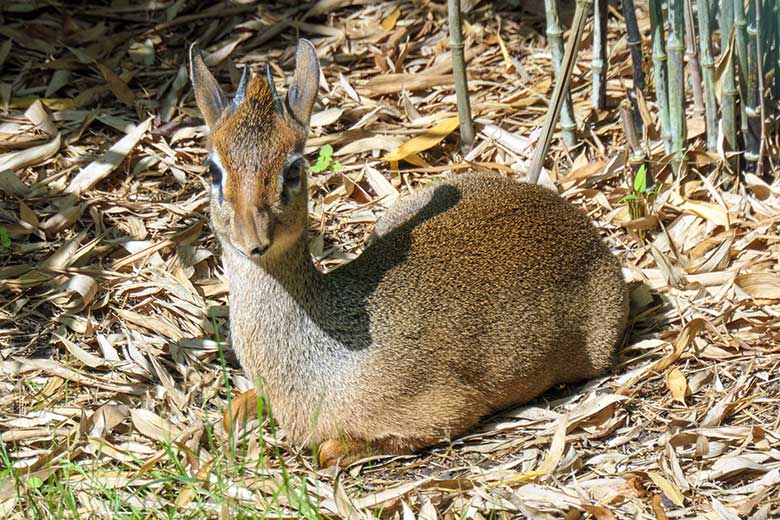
(216, 162)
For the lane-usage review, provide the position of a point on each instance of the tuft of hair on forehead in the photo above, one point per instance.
(259, 102)
(253, 139)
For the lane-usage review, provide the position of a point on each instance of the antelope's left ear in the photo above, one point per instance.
(305, 82)
(208, 94)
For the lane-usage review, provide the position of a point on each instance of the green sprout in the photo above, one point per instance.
(640, 186)
(640, 198)
(325, 161)
(5, 240)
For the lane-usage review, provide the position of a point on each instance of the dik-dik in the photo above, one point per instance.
(475, 293)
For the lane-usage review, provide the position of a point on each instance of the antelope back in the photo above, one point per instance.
(258, 186)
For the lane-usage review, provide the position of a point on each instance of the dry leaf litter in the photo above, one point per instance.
(119, 394)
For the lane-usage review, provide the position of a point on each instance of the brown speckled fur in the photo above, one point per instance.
(476, 293)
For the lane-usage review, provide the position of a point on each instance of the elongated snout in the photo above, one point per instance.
(252, 231)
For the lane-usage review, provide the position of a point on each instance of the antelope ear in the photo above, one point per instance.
(305, 82)
(208, 95)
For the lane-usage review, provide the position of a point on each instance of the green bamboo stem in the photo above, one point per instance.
(555, 36)
(676, 49)
(741, 40)
(635, 47)
(753, 135)
(556, 102)
(659, 71)
(771, 43)
(777, 48)
(694, 69)
(599, 60)
(708, 75)
(762, 48)
(728, 92)
(459, 75)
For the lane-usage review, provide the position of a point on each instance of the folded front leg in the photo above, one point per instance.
(346, 451)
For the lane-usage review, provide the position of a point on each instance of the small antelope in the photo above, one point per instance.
(476, 293)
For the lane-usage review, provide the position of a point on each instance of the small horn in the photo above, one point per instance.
(270, 79)
(241, 90)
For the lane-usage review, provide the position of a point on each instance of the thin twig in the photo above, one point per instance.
(554, 110)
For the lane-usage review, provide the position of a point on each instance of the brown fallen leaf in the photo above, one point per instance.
(669, 489)
(381, 186)
(388, 23)
(677, 384)
(712, 212)
(426, 140)
(658, 508)
(31, 156)
(242, 410)
(151, 425)
(63, 219)
(599, 512)
(117, 85)
(76, 293)
(326, 117)
(10, 184)
(38, 115)
(79, 353)
(763, 286)
(393, 83)
(188, 493)
(100, 168)
(54, 368)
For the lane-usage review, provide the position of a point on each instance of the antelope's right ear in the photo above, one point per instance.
(305, 82)
(208, 95)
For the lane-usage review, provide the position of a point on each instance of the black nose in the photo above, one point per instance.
(258, 251)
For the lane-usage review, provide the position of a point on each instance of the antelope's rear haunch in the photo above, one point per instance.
(476, 293)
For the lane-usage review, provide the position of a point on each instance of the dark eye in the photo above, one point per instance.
(215, 173)
(292, 173)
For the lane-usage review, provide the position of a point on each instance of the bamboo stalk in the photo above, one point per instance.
(708, 75)
(694, 70)
(659, 71)
(753, 135)
(740, 33)
(554, 110)
(635, 47)
(728, 92)
(762, 17)
(459, 75)
(599, 61)
(777, 48)
(676, 49)
(771, 43)
(555, 36)
(637, 156)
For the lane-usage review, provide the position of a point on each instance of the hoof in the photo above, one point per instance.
(330, 453)
(343, 452)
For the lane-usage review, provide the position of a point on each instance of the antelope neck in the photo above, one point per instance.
(286, 274)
